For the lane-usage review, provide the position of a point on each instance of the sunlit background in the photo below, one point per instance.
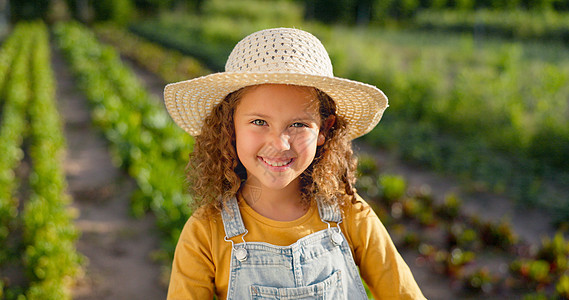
(468, 169)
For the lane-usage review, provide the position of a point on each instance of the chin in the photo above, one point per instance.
(276, 184)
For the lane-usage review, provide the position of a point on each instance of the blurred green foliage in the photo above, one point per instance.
(170, 65)
(327, 11)
(547, 25)
(37, 232)
(392, 187)
(12, 128)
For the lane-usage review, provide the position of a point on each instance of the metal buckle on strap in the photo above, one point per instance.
(336, 236)
(240, 252)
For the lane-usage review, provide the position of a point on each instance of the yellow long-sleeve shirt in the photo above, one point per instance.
(201, 261)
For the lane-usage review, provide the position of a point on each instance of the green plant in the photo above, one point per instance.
(450, 208)
(49, 234)
(12, 130)
(562, 287)
(499, 235)
(459, 234)
(449, 262)
(417, 209)
(536, 272)
(367, 165)
(40, 238)
(481, 280)
(392, 187)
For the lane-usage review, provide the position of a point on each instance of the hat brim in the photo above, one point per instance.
(190, 102)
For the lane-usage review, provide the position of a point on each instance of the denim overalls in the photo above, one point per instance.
(317, 266)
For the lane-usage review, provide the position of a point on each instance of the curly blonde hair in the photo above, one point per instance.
(215, 174)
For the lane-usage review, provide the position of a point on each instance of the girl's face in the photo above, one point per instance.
(277, 132)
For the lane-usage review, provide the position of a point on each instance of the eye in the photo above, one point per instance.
(259, 122)
(298, 125)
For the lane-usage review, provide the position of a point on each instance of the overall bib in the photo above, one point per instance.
(317, 266)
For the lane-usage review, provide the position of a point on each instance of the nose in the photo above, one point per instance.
(280, 141)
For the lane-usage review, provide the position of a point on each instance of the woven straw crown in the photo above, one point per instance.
(278, 56)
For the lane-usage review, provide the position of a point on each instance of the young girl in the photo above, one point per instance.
(273, 176)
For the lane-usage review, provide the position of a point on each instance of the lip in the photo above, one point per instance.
(265, 161)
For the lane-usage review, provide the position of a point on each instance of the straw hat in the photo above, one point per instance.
(278, 56)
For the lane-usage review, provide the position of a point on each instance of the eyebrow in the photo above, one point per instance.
(263, 116)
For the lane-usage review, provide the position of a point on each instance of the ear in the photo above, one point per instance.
(321, 139)
(324, 129)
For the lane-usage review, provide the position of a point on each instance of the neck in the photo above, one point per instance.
(279, 205)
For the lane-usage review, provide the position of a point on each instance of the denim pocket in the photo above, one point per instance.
(330, 288)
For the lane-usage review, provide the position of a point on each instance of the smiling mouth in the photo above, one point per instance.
(277, 163)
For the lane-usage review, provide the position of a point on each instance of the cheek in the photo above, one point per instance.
(245, 143)
(239, 143)
(306, 141)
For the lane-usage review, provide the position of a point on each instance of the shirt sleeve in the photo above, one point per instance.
(193, 270)
(381, 266)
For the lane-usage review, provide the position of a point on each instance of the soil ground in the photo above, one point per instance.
(118, 247)
(531, 225)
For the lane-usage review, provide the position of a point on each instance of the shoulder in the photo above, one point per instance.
(362, 223)
(201, 225)
(356, 207)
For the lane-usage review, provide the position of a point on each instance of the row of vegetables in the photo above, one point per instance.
(546, 25)
(479, 256)
(38, 259)
(170, 65)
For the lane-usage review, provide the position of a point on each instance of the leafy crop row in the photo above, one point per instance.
(170, 65)
(520, 24)
(39, 239)
(49, 233)
(144, 140)
(187, 38)
(12, 129)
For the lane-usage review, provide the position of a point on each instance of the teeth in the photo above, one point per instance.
(277, 163)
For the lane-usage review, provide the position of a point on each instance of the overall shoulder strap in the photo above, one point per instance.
(329, 212)
(232, 221)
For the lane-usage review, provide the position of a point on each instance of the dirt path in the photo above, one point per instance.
(117, 247)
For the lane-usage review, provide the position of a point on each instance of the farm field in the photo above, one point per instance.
(37, 234)
(467, 170)
(116, 246)
(458, 105)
